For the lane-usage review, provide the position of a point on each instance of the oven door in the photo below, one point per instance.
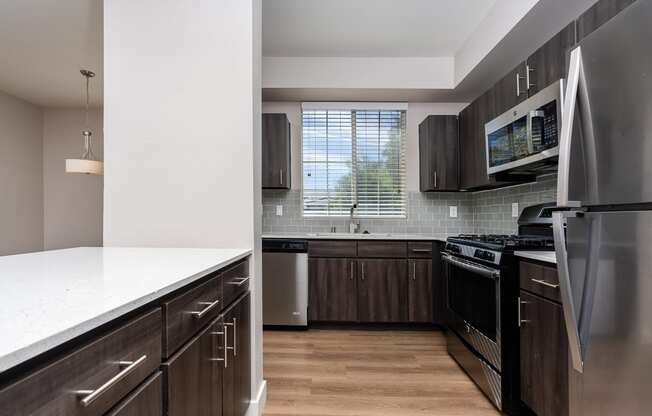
(473, 303)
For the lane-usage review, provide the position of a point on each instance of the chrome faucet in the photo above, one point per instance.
(354, 225)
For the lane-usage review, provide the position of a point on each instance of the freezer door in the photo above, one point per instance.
(609, 267)
(606, 140)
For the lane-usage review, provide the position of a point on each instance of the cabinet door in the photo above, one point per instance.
(439, 154)
(544, 356)
(486, 111)
(332, 290)
(510, 90)
(467, 135)
(444, 133)
(145, 400)
(276, 151)
(242, 355)
(420, 291)
(194, 377)
(598, 15)
(426, 162)
(382, 290)
(236, 384)
(549, 63)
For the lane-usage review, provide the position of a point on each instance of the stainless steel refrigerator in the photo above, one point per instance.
(604, 239)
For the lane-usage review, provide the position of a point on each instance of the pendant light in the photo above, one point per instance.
(87, 163)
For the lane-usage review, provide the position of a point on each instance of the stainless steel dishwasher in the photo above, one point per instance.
(285, 283)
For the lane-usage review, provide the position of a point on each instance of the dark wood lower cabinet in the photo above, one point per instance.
(332, 290)
(382, 290)
(236, 390)
(544, 356)
(420, 291)
(242, 358)
(144, 401)
(194, 376)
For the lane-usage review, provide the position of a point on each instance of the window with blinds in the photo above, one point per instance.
(353, 156)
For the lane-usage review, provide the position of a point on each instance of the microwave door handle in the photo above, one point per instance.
(570, 315)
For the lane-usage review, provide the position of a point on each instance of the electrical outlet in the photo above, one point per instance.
(515, 209)
(453, 211)
(279, 210)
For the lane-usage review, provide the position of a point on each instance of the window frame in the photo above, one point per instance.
(402, 107)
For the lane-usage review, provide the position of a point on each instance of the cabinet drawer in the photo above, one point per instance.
(92, 379)
(236, 281)
(382, 249)
(420, 249)
(331, 248)
(146, 400)
(540, 279)
(189, 312)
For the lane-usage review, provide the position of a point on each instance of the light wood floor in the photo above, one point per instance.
(346, 373)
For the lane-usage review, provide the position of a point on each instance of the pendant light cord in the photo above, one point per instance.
(87, 99)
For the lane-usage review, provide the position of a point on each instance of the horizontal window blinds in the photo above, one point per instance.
(353, 157)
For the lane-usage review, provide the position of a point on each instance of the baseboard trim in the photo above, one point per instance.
(257, 404)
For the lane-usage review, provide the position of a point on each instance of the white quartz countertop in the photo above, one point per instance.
(360, 236)
(50, 297)
(547, 256)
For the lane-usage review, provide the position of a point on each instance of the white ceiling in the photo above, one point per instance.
(44, 43)
(369, 28)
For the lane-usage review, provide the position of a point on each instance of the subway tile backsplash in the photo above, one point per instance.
(485, 212)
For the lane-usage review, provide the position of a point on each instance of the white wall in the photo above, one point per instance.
(21, 176)
(72, 202)
(182, 128)
(415, 114)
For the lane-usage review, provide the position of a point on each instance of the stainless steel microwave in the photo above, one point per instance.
(526, 138)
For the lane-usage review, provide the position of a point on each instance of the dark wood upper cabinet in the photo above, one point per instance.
(332, 290)
(598, 15)
(382, 290)
(439, 153)
(549, 63)
(420, 291)
(468, 145)
(276, 159)
(509, 91)
(544, 356)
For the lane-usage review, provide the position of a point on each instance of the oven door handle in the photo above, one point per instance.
(475, 268)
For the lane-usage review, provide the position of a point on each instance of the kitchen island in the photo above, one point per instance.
(93, 330)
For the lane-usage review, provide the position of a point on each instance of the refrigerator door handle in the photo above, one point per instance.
(575, 97)
(570, 315)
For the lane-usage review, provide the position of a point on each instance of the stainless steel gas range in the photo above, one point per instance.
(482, 312)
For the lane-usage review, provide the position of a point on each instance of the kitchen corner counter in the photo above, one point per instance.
(545, 256)
(347, 236)
(48, 298)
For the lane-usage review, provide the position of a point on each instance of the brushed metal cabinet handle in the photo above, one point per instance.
(351, 275)
(209, 306)
(362, 265)
(422, 250)
(528, 70)
(235, 337)
(518, 84)
(544, 283)
(280, 174)
(521, 321)
(240, 282)
(91, 395)
(414, 270)
(225, 360)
